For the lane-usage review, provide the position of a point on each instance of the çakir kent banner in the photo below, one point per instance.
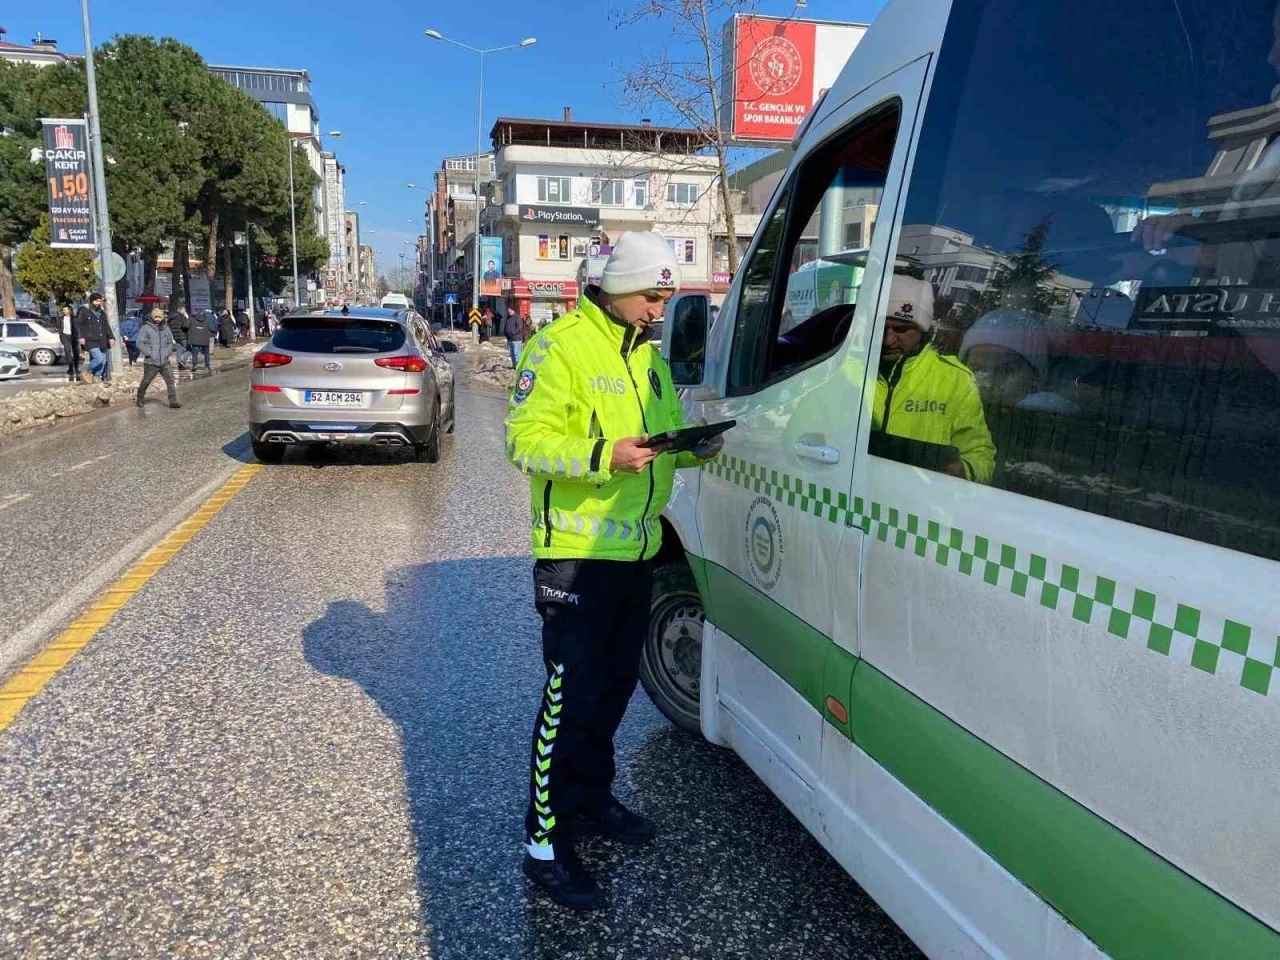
(490, 266)
(70, 183)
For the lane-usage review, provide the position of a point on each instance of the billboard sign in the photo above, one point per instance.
(70, 184)
(585, 216)
(490, 266)
(775, 70)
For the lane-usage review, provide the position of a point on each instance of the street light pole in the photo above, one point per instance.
(293, 225)
(100, 195)
(248, 275)
(527, 42)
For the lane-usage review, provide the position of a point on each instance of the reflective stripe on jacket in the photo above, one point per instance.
(585, 381)
(934, 398)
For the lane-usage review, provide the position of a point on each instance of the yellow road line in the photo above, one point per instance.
(28, 681)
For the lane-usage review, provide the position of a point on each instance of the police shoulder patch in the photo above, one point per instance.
(524, 386)
(655, 381)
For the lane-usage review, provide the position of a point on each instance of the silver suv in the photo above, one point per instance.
(367, 376)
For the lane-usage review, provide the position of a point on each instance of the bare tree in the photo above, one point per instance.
(683, 80)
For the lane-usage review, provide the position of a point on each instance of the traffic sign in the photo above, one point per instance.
(474, 315)
(115, 265)
(451, 299)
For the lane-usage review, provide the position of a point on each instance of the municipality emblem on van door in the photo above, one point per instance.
(763, 543)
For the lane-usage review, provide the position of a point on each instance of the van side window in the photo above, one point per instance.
(800, 287)
(1103, 250)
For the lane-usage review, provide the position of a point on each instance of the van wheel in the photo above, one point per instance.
(671, 662)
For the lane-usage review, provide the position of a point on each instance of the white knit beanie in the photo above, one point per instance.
(911, 300)
(641, 260)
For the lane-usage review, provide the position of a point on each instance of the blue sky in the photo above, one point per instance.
(402, 101)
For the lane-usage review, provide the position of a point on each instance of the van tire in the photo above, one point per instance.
(671, 659)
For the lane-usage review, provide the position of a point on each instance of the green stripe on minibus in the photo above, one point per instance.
(1121, 895)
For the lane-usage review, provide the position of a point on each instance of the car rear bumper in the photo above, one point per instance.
(386, 434)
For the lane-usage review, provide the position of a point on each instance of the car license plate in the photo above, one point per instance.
(332, 398)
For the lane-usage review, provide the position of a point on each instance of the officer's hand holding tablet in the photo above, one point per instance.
(703, 439)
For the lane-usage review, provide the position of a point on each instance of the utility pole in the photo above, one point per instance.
(248, 279)
(100, 196)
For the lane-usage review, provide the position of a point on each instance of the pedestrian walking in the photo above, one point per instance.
(156, 344)
(69, 332)
(129, 334)
(486, 324)
(97, 337)
(242, 324)
(226, 328)
(200, 344)
(180, 326)
(596, 495)
(513, 329)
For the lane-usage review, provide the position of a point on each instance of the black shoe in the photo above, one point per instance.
(614, 822)
(175, 405)
(566, 881)
(138, 401)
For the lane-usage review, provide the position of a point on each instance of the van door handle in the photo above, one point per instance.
(819, 452)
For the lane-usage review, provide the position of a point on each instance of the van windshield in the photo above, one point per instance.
(1096, 204)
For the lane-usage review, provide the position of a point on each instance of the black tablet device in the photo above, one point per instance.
(677, 441)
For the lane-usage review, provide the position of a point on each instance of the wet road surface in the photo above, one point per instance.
(308, 734)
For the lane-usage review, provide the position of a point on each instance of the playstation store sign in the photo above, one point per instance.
(584, 216)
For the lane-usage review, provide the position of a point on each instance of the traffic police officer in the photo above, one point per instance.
(924, 395)
(590, 388)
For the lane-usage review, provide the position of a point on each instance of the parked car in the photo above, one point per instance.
(367, 376)
(39, 343)
(13, 363)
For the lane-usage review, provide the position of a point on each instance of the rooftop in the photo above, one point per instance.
(573, 134)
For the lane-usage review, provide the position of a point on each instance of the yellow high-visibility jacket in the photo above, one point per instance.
(583, 382)
(932, 397)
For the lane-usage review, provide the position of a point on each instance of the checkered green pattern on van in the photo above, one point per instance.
(1215, 645)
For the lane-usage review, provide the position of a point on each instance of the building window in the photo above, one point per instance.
(683, 248)
(608, 193)
(553, 190)
(852, 235)
(971, 274)
(682, 194)
(642, 193)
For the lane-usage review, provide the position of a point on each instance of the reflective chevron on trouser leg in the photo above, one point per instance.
(544, 747)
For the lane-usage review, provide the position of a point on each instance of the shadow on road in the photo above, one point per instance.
(456, 663)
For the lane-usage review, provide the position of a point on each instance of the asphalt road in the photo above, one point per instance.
(308, 734)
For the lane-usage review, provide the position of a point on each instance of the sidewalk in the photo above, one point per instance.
(30, 409)
(486, 365)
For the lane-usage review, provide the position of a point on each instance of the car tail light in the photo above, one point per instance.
(266, 388)
(408, 392)
(409, 363)
(265, 358)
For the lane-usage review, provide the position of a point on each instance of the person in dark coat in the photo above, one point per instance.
(226, 328)
(96, 336)
(242, 323)
(199, 341)
(70, 334)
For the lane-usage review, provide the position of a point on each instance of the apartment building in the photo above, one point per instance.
(568, 189)
(351, 280)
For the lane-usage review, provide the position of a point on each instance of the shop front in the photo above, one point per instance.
(539, 300)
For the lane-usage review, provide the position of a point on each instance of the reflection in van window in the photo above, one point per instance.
(1103, 245)
(927, 410)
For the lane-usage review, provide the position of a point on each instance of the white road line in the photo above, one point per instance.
(81, 466)
(13, 499)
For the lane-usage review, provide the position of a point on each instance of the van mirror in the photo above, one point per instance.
(686, 324)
